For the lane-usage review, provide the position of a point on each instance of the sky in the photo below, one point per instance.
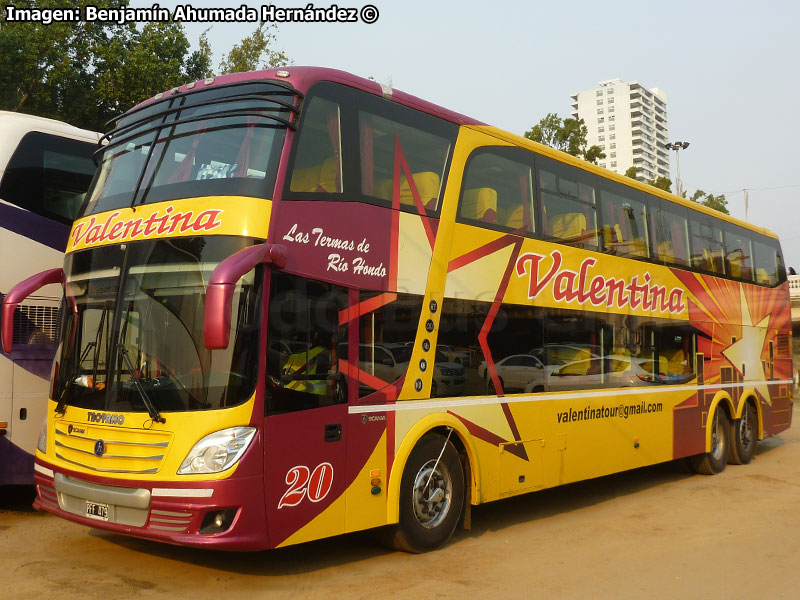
(729, 70)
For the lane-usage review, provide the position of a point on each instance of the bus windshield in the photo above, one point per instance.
(225, 143)
(133, 323)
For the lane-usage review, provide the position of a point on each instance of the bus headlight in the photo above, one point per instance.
(41, 445)
(217, 451)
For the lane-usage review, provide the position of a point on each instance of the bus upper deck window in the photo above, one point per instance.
(498, 191)
(317, 165)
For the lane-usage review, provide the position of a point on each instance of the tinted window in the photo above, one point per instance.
(49, 175)
(705, 238)
(568, 207)
(317, 167)
(306, 343)
(625, 225)
(198, 144)
(499, 191)
(768, 262)
(670, 229)
(387, 336)
(372, 149)
(391, 151)
(738, 253)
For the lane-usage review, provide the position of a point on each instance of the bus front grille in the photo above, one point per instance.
(117, 450)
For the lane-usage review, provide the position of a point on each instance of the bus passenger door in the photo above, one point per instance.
(305, 474)
(306, 403)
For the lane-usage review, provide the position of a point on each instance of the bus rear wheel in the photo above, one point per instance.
(431, 496)
(714, 462)
(744, 437)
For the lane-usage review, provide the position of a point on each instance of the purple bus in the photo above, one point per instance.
(45, 169)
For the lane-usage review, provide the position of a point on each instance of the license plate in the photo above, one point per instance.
(95, 510)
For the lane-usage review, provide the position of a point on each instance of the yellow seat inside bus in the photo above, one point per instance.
(676, 361)
(578, 361)
(426, 182)
(620, 361)
(568, 226)
(665, 252)
(319, 178)
(480, 204)
(647, 362)
(738, 267)
(615, 240)
(515, 219)
(762, 276)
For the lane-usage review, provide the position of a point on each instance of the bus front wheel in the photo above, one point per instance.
(714, 461)
(744, 437)
(431, 496)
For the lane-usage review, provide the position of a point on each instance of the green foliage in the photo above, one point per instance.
(631, 172)
(198, 64)
(567, 135)
(717, 202)
(662, 183)
(254, 52)
(88, 73)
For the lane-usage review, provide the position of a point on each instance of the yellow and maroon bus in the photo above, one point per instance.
(298, 303)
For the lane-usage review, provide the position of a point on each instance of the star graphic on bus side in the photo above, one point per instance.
(745, 353)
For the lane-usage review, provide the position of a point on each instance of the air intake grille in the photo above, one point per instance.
(36, 324)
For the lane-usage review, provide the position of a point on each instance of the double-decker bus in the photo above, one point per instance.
(298, 303)
(45, 169)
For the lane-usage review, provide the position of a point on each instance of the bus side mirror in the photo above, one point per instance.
(17, 294)
(222, 283)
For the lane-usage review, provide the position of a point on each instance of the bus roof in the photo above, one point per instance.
(301, 78)
(14, 125)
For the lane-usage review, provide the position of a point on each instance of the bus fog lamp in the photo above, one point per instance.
(217, 451)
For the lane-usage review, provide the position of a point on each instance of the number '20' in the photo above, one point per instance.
(303, 482)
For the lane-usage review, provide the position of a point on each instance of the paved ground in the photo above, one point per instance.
(653, 533)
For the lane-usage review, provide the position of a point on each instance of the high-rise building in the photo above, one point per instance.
(629, 122)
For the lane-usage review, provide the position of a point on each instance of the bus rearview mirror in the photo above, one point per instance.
(222, 284)
(18, 294)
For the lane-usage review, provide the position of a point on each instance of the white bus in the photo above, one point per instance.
(45, 169)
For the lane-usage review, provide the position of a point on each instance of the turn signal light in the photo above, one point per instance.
(3, 426)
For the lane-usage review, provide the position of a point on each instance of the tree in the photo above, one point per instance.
(567, 135)
(662, 183)
(86, 73)
(198, 65)
(254, 52)
(631, 172)
(717, 202)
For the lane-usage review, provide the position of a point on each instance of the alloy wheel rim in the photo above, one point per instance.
(433, 494)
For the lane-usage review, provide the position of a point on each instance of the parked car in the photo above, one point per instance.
(389, 361)
(454, 355)
(449, 378)
(516, 372)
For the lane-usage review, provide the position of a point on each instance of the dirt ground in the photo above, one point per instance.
(658, 532)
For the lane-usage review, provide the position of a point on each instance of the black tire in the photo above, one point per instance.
(428, 518)
(744, 437)
(713, 462)
(490, 385)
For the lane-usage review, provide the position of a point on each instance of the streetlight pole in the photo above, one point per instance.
(677, 146)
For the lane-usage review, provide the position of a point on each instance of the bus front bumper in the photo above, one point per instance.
(227, 514)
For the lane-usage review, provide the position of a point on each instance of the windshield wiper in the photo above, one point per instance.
(148, 402)
(61, 405)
